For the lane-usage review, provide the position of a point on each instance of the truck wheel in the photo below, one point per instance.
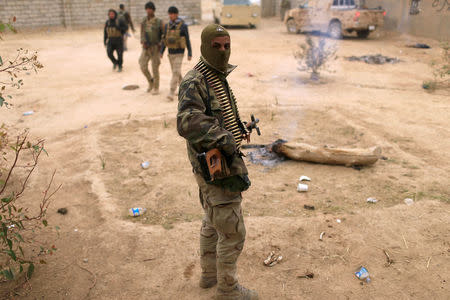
(363, 34)
(291, 26)
(335, 30)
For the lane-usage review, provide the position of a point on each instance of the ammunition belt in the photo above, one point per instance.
(231, 119)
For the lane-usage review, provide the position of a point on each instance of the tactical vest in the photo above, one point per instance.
(227, 101)
(112, 31)
(152, 29)
(172, 37)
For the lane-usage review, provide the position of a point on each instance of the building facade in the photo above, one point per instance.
(44, 13)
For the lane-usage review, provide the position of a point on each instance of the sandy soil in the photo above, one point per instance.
(86, 118)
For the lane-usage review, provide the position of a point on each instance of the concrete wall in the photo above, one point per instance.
(42, 13)
(432, 19)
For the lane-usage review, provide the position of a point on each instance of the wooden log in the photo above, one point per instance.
(326, 155)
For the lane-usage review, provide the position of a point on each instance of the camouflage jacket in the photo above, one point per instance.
(202, 131)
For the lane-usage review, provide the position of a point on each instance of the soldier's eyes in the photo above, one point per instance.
(216, 45)
(227, 46)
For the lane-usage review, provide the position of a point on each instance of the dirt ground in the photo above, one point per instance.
(86, 119)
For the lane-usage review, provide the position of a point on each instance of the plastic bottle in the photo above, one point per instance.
(136, 211)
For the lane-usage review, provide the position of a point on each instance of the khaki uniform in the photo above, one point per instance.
(176, 39)
(176, 61)
(151, 53)
(151, 32)
(222, 234)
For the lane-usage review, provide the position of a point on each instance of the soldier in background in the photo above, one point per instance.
(208, 119)
(113, 38)
(125, 16)
(284, 7)
(151, 34)
(176, 39)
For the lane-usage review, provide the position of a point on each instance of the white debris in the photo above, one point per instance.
(338, 220)
(304, 178)
(409, 201)
(372, 200)
(272, 259)
(28, 113)
(321, 235)
(302, 187)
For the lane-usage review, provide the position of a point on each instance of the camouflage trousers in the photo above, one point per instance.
(176, 61)
(151, 53)
(222, 234)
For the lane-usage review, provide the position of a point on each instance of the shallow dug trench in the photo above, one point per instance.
(169, 192)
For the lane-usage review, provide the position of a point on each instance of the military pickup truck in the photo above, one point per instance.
(335, 17)
(238, 13)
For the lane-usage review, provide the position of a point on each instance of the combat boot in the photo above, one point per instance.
(207, 282)
(171, 96)
(239, 293)
(120, 69)
(155, 91)
(150, 86)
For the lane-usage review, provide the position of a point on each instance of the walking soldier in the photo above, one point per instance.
(151, 33)
(176, 39)
(113, 38)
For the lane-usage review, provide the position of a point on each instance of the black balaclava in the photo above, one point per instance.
(215, 57)
(115, 13)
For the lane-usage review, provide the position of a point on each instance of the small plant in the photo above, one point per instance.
(441, 70)
(314, 57)
(10, 69)
(19, 222)
(103, 162)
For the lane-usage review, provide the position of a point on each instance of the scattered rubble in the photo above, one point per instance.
(28, 113)
(304, 178)
(309, 207)
(302, 187)
(62, 211)
(362, 274)
(145, 165)
(272, 259)
(409, 201)
(308, 275)
(372, 200)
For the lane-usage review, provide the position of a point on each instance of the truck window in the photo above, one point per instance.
(236, 2)
(335, 2)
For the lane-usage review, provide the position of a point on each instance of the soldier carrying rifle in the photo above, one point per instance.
(208, 118)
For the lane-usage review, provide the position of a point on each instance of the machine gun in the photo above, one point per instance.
(213, 163)
(253, 124)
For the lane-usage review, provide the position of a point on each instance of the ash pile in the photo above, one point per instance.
(377, 59)
(263, 155)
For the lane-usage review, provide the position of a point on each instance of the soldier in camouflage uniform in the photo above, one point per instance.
(208, 118)
(151, 32)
